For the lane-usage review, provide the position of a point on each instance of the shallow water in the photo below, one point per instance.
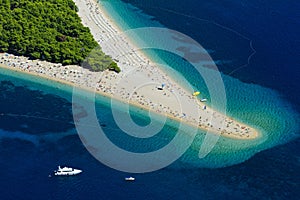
(266, 168)
(253, 104)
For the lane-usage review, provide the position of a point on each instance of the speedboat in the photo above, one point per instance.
(203, 100)
(66, 171)
(129, 178)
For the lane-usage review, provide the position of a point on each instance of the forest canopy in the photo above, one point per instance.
(45, 29)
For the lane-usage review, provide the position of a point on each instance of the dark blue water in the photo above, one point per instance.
(40, 134)
(228, 28)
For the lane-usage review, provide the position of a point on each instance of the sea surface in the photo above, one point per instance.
(255, 45)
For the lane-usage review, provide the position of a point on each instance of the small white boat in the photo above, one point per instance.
(66, 171)
(129, 178)
(203, 100)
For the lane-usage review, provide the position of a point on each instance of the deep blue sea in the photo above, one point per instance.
(255, 45)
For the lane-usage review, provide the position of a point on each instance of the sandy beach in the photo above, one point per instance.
(139, 82)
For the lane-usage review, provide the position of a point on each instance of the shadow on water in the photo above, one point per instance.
(32, 111)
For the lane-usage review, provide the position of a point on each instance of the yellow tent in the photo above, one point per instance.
(196, 93)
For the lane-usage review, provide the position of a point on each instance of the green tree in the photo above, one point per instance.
(49, 30)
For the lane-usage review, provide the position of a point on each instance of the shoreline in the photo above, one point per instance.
(136, 69)
(95, 15)
(86, 89)
(104, 12)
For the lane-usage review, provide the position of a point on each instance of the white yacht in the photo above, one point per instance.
(66, 171)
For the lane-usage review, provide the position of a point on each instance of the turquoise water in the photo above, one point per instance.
(37, 133)
(252, 104)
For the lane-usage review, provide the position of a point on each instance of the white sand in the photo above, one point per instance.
(139, 81)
